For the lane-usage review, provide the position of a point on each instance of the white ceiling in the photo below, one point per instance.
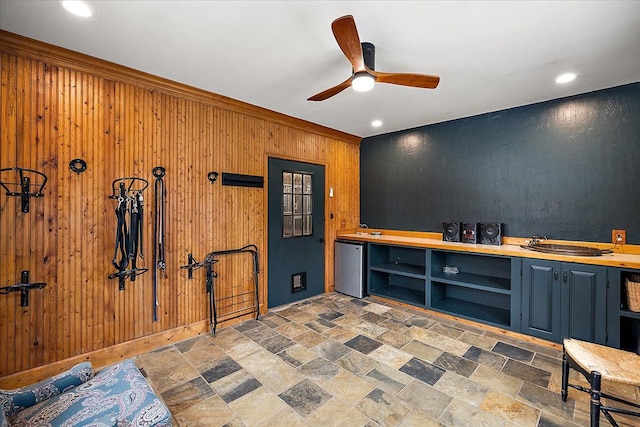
(491, 55)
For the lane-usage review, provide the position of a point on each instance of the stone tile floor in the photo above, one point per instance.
(333, 360)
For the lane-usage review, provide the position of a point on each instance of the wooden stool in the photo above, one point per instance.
(597, 363)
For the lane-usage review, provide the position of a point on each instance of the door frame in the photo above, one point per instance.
(265, 264)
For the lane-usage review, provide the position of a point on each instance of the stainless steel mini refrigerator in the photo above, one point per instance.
(350, 268)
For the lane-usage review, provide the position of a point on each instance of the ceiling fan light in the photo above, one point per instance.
(362, 82)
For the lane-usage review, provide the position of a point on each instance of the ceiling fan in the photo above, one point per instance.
(361, 56)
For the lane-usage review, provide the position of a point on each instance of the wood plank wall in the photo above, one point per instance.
(57, 105)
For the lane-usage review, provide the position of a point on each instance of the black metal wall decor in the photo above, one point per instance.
(248, 302)
(23, 287)
(159, 263)
(240, 180)
(129, 210)
(20, 179)
(78, 166)
(208, 262)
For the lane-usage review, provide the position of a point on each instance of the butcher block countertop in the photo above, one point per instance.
(626, 256)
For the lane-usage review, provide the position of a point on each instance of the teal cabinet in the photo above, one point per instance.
(545, 299)
(562, 300)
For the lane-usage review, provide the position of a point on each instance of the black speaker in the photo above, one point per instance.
(469, 232)
(451, 231)
(491, 233)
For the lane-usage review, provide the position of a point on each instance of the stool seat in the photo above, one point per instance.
(596, 363)
(614, 365)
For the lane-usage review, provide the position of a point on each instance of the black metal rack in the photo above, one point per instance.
(128, 193)
(24, 184)
(238, 304)
(23, 287)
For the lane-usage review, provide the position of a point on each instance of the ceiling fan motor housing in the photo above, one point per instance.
(369, 53)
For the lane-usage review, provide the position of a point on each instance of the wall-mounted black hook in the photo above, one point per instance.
(212, 176)
(192, 264)
(158, 172)
(78, 166)
(23, 183)
(24, 286)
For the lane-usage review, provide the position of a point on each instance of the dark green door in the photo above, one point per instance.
(296, 231)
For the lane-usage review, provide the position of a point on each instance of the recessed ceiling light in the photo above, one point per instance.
(376, 123)
(78, 8)
(566, 78)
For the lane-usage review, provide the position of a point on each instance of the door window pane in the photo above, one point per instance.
(297, 225)
(297, 204)
(287, 182)
(297, 183)
(287, 204)
(307, 205)
(308, 188)
(287, 226)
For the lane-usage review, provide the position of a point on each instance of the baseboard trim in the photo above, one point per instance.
(106, 356)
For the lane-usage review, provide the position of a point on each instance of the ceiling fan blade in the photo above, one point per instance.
(406, 79)
(346, 34)
(331, 91)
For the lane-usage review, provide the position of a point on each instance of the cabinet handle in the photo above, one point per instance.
(565, 277)
(555, 274)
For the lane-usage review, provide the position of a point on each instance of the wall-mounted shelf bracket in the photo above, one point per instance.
(193, 265)
(20, 179)
(23, 287)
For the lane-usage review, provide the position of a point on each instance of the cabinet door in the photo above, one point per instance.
(584, 291)
(541, 298)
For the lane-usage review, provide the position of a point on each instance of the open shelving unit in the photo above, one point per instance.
(398, 272)
(486, 287)
(483, 289)
(623, 325)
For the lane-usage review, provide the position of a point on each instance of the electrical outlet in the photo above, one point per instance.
(619, 237)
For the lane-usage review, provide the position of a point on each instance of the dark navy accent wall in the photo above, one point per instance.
(567, 168)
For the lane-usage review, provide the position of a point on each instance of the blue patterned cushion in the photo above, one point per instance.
(117, 394)
(21, 398)
(3, 420)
